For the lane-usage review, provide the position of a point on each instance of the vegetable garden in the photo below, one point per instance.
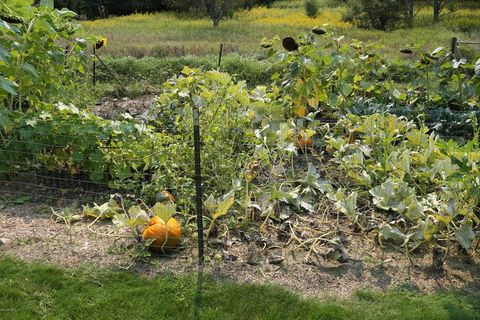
(339, 142)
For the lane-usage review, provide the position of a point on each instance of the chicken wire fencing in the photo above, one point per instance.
(34, 171)
(64, 166)
(52, 173)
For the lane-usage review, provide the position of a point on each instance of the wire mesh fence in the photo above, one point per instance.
(53, 172)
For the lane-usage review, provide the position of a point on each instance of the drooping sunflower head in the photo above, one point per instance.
(101, 43)
(290, 44)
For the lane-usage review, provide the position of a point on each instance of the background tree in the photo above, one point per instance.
(377, 14)
(217, 9)
(311, 8)
(436, 10)
(410, 13)
(439, 5)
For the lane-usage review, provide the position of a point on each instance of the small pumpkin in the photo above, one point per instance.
(164, 196)
(303, 143)
(165, 235)
(305, 138)
(155, 220)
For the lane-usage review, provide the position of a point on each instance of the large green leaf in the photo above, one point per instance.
(223, 205)
(313, 182)
(4, 54)
(8, 86)
(393, 233)
(346, 204)
(164, 211)
(465, 234)
(136, 217)
(392, 195)
(30, 70)
(104, 211)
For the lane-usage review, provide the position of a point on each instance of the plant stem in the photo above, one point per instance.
(247, 203)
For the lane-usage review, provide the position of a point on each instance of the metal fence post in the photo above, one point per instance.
(198, 182)
(94, 76)
(453, 46)
(220, 53)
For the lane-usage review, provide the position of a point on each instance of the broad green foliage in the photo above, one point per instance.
(40, 55)
(63, 138)
(249, 143)
(330, 74)
(430, 187)
(227, 134)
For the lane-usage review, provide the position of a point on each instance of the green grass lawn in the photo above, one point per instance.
(168, 34)
(36, 291)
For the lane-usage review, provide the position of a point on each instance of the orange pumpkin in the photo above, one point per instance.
(164, 196)
(155, 220)
(303, 143)
(166, 235)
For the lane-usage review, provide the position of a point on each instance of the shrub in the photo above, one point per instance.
(311, 8)
(377, 14)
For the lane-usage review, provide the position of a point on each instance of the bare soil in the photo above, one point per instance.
(113, 108)
(278, 254)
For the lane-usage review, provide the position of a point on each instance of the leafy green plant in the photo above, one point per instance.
(64, 139)
(217, 208)
(259, 145)
(311, 8)
(378, 14)
(328, 77)
(429, 189)
(40, 53)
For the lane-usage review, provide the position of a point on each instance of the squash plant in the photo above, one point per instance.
(227, 133)
(427, 187)
(330, 75)
(62, 138)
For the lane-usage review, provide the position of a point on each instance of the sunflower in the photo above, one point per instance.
(101, 43)
(290, 44)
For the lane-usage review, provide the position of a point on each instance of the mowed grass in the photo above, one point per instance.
(169, 34)
(37, 291)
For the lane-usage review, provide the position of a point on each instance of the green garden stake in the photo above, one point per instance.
(94, 65)
(198, 182)
(220, 53)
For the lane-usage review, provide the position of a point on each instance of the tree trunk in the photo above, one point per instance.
(436, 10)
(410, 12)
(216, 10)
